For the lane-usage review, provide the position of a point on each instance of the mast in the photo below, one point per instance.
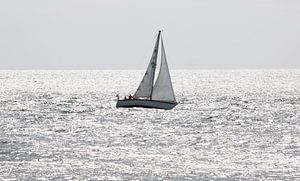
(154, 63)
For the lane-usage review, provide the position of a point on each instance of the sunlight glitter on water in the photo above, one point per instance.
(230, 124)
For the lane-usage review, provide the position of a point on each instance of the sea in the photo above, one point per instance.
(228, 125)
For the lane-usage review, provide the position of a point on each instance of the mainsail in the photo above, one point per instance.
(146, 86)
(163, 89)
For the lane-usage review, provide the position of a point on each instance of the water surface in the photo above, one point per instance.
(230, 124)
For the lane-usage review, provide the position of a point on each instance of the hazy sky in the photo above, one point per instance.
(119, 34)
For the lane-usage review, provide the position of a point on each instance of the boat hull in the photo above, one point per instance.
(146, 104)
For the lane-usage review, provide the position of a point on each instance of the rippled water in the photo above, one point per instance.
(230, 124)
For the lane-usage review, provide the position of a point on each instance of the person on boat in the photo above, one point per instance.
(130, 96)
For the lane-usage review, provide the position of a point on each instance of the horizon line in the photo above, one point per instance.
(144, 69)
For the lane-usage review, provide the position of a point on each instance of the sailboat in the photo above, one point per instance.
(149, 95)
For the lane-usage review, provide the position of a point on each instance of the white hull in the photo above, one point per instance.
(146, 104)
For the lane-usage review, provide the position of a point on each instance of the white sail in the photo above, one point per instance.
(146, 86)
(163, 89)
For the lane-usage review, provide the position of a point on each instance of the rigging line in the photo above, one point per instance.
(149, 48)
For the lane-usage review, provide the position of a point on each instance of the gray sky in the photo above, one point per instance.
(119, 34)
